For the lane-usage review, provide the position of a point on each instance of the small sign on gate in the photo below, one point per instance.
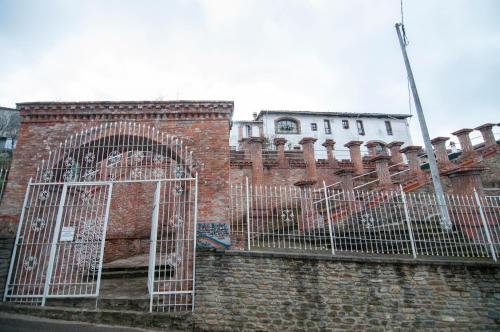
(67, 234)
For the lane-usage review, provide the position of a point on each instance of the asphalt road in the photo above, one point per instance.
(20, 323)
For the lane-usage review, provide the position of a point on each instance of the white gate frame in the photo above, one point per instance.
(142, 149)
(153, 240)
(55, 240)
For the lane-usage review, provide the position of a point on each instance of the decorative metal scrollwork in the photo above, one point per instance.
(87, 196)
(89, 174)
(43, 195)
(287, 216)
(30, 263)
(179, 172)
(176, 222)
(38, 224)
(89, 158)
(158, 159)
(113, 158)
(178, 189)
(158, 173)
(173, 259)
(69, 175)
(367, 221)
(136, 173)
(69, 161)
(47, 175)
(137, 156)
(87, 244)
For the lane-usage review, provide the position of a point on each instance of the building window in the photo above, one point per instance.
(388, 128)
(287, 126)
(314, 127)
(345, 124)
(328, 129)
(248, 131)
(361, 129)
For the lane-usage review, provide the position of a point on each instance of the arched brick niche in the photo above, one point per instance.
(203, 125)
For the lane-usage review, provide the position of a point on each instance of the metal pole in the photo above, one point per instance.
(195, 234)
(485, 225)
(408, 222)
(438, 189)
(329, 218)
(248, 217)
(153, 244)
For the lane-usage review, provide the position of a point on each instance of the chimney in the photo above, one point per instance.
(254, 114)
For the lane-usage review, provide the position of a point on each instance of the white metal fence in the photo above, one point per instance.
(365, 222)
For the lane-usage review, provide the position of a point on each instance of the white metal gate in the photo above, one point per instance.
(61, 234)
(59, 246)
(173, 234)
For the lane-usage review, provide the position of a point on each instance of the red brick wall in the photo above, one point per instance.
(204, 127)
(276, 176)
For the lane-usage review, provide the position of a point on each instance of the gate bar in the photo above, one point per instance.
(194, 236)
(152, 246)
(485, 226)
(14, 250)
(53, 247)
(105, 228)
(97, 183)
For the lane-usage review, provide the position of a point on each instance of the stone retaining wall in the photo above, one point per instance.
(272, 292)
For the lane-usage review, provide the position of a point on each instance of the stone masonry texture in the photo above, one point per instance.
(270, 292)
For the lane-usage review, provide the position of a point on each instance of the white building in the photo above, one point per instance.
(341, 127)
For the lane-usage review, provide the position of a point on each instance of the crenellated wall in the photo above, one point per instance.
(386, 167)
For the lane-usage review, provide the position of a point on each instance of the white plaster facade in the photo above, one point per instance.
(374, 125)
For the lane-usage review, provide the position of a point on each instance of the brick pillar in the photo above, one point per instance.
(487, 133)
(396, 156)
(411, 152)
(329, 145)
(280, 142)
(244, 145)
(308, 148)
(382, 169)
(371, 145)
(355, 151)
(257, 164)
(464, 180)
(465, 142)
(441, 154)
(346, 175)
(376, 148)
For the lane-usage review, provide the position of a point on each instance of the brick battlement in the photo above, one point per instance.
(137, 110)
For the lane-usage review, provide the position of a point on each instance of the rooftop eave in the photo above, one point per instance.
(337, 114)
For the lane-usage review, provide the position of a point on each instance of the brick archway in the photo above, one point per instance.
(86, 165)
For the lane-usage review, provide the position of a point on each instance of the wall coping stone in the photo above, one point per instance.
(439, 261)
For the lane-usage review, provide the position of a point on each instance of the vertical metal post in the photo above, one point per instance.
(485, 225)
(425, 134)
(195, 231)
(53, 247)
(330, 226)
(152, 246)
(16, 243)
(248, 215)
(408, 222)
(103, 241)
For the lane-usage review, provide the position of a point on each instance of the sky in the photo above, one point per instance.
(311, 55)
